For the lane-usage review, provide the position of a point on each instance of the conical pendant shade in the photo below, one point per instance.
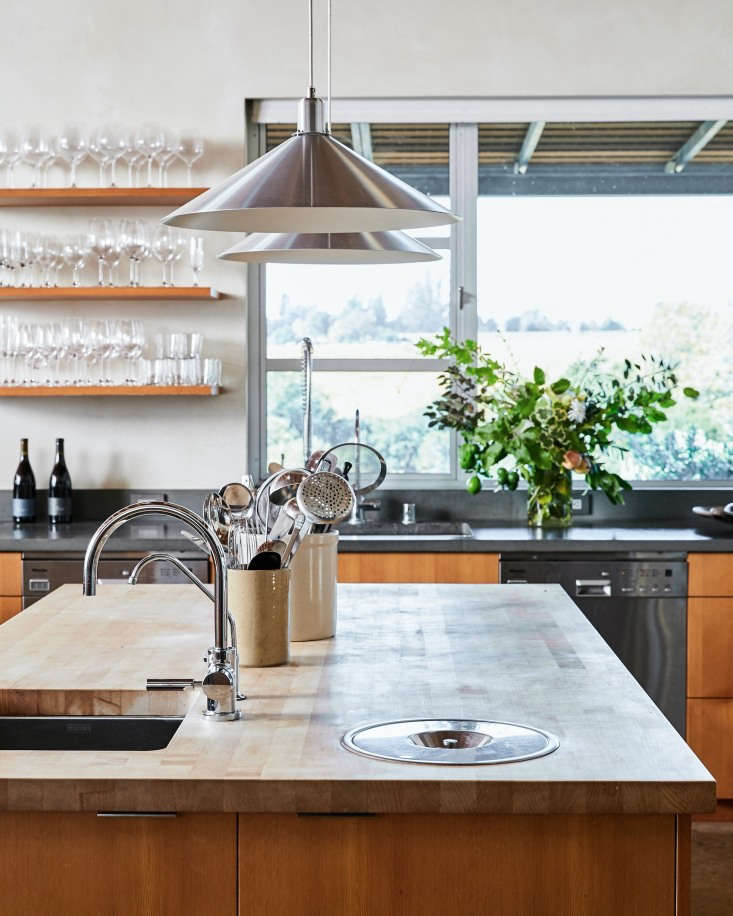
(310, 183)
(330, 248)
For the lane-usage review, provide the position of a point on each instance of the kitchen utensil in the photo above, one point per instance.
(239, 498)
(262, 507)
(285, 486)
(277, 545)
(217, 516)
(362, 465)
(269, 559)
(243, 543)
(325, 498)
(294, 535)
(307, 366)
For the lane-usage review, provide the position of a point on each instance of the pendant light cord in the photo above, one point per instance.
(311, 87)
(328, 83)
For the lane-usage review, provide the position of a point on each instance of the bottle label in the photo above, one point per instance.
(59, 506)
(24, 508)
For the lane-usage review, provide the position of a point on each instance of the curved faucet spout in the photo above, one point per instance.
(220, 682)
(182, 514)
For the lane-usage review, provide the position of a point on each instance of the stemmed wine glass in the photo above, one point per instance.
(190, 149)
(166, 155)
(36, 150)
(134, 245)
(72, 147)
(103, 243)
(75, 252)
(150, 140)
(167, 247)
(12, 152)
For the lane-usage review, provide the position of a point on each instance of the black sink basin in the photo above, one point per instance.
(87, 733)
(415, 530)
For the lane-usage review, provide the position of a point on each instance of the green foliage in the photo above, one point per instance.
(546, 430)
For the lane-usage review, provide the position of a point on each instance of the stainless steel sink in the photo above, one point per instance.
(450, 741)
(418, 530)
(87, 733)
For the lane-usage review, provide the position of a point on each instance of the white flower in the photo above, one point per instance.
(576, 412)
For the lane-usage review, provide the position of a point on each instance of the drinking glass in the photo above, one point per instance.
(24, 351)
(134, 245)
(100, 152)
(167, 246)
(212, 372)
(149, 141)
(164, 371)
(35, 148)
(104, 244)
(115, 141)
(24, 254)
(195, 344)
(196, 256)
(72, 147)
(47, 253)
(166, 154)
(133, 157)
(12, 152)
(189, 371)
(75, 252)
(190, 149)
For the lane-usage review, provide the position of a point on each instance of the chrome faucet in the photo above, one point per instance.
(220, 681)
(169, 558)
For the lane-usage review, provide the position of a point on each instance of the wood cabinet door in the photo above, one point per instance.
(433, 865)
(710, 647)
(81, 864)
(710, 735)
(710, 575)
(9, 607)
(471, 568)
(11, 575)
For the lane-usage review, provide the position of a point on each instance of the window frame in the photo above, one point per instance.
(463, 116)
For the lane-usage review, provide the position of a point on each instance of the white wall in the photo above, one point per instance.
(191, 63)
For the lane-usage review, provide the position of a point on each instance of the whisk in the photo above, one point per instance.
(243, 543)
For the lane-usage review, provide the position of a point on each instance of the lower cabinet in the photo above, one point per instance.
(710, 735)
(84, 865)
(471, 568)
(9, 607)
(432, 865)
(11, 585)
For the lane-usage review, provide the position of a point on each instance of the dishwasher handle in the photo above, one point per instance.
(592, 588)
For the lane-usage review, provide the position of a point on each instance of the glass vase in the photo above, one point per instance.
(549, 499)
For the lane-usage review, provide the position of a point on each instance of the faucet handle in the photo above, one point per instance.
(171, 683)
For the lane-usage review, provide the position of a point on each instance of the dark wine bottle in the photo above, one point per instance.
(24, 489)
(59, 489)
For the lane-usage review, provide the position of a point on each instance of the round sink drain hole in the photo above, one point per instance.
(466, 742)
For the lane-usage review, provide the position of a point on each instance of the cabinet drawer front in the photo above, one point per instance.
(11, 576)
(710, 647)
(711, 575)
(9, 607)
(474, 568)
(710, 735)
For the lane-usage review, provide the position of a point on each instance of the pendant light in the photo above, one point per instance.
(330, 248)
(311, 183)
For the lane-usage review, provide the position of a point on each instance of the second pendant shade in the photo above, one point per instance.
(330, 248)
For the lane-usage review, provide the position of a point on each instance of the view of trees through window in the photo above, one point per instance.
(560, 279)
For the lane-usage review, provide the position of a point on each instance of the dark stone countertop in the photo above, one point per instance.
(707, 536)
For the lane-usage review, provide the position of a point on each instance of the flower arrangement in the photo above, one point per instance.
(548, 430)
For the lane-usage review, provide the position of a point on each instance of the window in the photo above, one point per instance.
(575, 236)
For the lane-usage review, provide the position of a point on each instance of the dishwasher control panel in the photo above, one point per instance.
(598, 578)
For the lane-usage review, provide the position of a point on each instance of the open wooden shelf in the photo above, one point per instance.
(108, 391)
(90, 293)
(97, 197)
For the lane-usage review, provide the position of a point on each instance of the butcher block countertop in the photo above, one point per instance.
(515, 653)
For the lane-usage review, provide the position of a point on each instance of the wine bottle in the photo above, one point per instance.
(59, 489)
(24, 489)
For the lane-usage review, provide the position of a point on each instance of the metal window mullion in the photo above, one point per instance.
(463, 192)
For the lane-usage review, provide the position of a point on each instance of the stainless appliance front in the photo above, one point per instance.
(44, 573)
(638, 604)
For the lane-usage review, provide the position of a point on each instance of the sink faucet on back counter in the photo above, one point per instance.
(220, 682)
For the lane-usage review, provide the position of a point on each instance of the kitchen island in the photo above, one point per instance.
(600, 825)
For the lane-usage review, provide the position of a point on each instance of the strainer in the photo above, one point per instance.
(359, 463)
(325, 498)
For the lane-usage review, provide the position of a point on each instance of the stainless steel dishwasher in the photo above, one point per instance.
(44, 573)
(638, 604)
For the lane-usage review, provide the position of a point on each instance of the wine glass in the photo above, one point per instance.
(149, 141)
(167, 153)
(196, 256)
(36, 149)
(103, 243)
(75, 252)
(134, 245)
(72, 147)
(47, 252)
(100, 152)
(114, 140)
(190, 149)
(167, 247)
(132, 156)
(12, 152)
